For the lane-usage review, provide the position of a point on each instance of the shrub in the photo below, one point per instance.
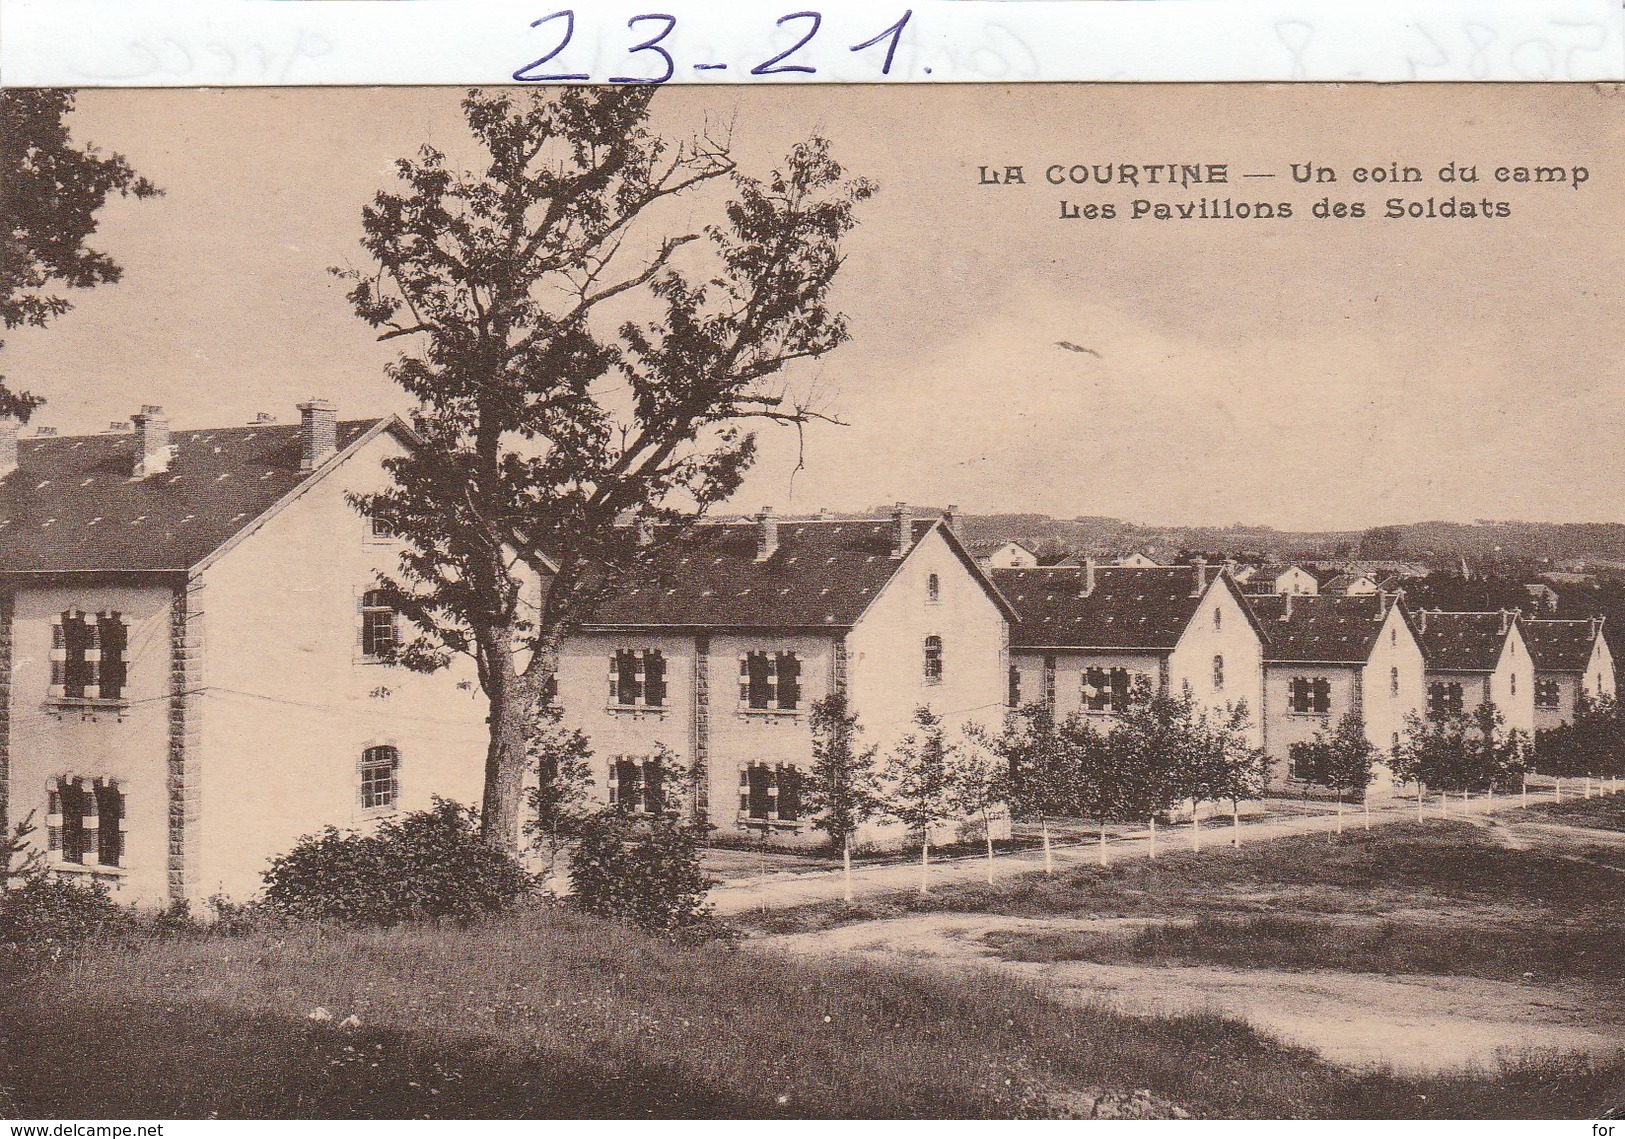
(46, 916)
(425, 865)
(646, 873)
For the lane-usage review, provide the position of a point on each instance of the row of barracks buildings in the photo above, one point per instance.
(192, 668)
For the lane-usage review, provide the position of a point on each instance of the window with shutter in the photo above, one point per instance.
(85, 821)
(654, 678)
(788, 672)
(759, 793)
(933, 660)
(789, 798)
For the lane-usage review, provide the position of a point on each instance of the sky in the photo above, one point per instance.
(1302, 373)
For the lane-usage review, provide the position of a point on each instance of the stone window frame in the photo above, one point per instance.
(773, 795)
(93, 659)
(89, 856)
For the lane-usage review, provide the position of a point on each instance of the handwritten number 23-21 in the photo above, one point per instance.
(657, 57)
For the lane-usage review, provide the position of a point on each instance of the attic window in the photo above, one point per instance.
(933, 588)
(1218, 620)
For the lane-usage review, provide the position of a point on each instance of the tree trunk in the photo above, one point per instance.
(987, 833)
(1365, 805)
(1418, 800)
(1153, 847)
(1049, 863)
(1339, 810)
(1196, 833)
(1235, 820)
(1103, 843)
(925, 859)
(1525, 792)
(506, 757)
(846, 867)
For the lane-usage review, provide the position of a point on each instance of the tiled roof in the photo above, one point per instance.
(823, 575)
(1561, 646)
(982, 547)
(1462, 642)
(1129, 609)
(71, 504)
(1321, 627)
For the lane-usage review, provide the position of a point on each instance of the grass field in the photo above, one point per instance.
(550, 1014)
(1401, 866)
(1605, 812)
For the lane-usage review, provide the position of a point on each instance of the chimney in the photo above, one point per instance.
(1383, 599)
(902, 530)
(1596, 627)
(1230, 566)
(261, 418)
(1286, 607)
(44, 432)
(318, 431)
(1506, 622)
(8, 446)
(823, 514)
(119, 426)
(645, 530)
(767, 534)
(1088, 576)
(955, 521)
(1421, 620)
(152, 450)
(1200, 566)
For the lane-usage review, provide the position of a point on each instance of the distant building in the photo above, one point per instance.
(1350, 584)
(1138, 559)
(1328, 655)
(1570, 658)
(1278, 578)
(1001, 553)
(1543, 596)
(1083, 635)
(1477, 658)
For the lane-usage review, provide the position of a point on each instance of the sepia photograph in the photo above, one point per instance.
(1041, 601)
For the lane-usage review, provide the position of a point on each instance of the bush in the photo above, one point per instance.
(424, 865)
(47, 915)
(646, 873)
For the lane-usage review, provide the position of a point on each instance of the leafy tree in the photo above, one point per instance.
(979, 783)
(1592, 744)
(841, 790)
(1342, 761)
(1154, 753)
(1467, 752)
(1042, 769)
(574, 371)
(50, 193)
(1235, 769)
(561, 796)
(919, 782)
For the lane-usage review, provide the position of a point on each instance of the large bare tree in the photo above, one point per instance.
(574, 370)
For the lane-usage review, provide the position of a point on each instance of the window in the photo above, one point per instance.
(933, 588)
(380, 778)
(1310, 696)
(1218, 674)
(1547, 694)
(770, 792)
(85, 821)
(380, 529)
(770, 682)
(377, 625)
(88, 656)
(1444, 699)
(1300, 764)
(1393, 682)
(1218, 620)
(1105, 689)
(638, 784)
(1014, 698)
(1393, 637)
(1394, 748)
(637, 678)
(1514, 679)
(933, 660)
